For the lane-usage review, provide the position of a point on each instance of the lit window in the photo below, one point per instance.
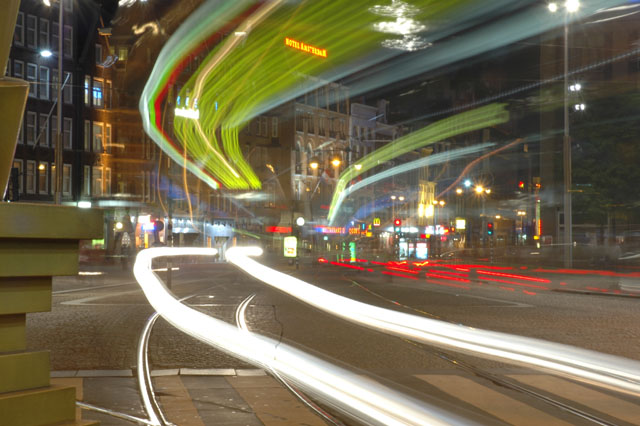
(31, 177)
(66, 179)
(96, 181)
(98, 100)
(97, 137)
(43, 178)
(107, 138)
(86, 181)
(123, 54)
(87, 89)
(107, 181)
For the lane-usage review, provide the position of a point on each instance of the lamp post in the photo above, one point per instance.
(570, 7)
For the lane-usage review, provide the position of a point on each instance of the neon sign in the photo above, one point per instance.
(305, 47)
(330, 229)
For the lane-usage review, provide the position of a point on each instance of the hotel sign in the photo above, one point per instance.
(299, 45)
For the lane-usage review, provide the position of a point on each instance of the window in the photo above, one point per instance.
(274, 127)
(98, 100)
(32, 22)
(18, 35)
(44, 82)
(66, 179)
(108, 94)
(86, 181)
(31, 177)
(43, 41)
(68, 5)
(18, 68)
(107, 138)
(122, 54)
(54, 37)
(68, 41)
(97, 137)
(54, 84)
(107, 181)
(43, 130)
(67, 133)
(87, 135)
(17, 164)
(96, 181)
(31, 128)
(68, 84)
(32, 78)
(148, 190)
(99, 59)
(87, 89)
(54, 130)
(43, 177)
(21, 133)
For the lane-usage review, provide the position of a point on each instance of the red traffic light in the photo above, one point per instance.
(521, 185)
(397, 222)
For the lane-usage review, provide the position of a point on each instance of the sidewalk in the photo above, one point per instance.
(192, 397)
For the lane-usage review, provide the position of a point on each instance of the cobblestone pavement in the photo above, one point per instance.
(96, 322)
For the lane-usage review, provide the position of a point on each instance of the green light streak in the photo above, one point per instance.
(468, 121)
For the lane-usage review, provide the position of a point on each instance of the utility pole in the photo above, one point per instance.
(58, 149)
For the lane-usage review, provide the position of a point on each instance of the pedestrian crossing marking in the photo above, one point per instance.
(599, 401)
(495, 403)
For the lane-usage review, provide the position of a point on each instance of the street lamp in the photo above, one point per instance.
(479, 189)
(570, 6)
(336, 161)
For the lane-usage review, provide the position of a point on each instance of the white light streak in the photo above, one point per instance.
(620, 374)
(187, 113)
(364, 400)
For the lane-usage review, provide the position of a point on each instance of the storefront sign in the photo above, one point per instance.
(290, 246)
(376, 221)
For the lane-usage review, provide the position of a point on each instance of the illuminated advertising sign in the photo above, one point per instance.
(278, 229)
(305, 47)
(376, 221)
(354, 231)
(331, 229)
(290, 246)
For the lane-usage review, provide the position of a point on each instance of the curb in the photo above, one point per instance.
(159, 373)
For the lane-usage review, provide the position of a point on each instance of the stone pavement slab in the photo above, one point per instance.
(195, 400)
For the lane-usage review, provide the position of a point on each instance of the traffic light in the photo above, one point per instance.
(396, 225)
(490, 228)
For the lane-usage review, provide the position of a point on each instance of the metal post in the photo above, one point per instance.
(566, 148)
(58, 149)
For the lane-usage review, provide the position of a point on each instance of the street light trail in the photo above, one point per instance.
(607, 371)
(361, 399)
(241, 322)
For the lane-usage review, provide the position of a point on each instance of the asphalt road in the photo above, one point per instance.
(96, 322)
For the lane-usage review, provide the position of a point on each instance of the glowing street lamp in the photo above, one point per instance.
(479, 189)
(336, 161)
(458, 191)
(358, 166)
(314, 164)
(401, 198)
(467, 183)
(46, 53)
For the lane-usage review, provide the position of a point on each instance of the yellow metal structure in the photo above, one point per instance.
(36, 242)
